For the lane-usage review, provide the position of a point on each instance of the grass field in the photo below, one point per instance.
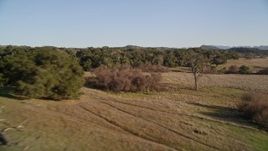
(244, 82)
(180, 119)
(255, 64)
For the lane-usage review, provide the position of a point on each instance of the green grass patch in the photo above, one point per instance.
(257, 139)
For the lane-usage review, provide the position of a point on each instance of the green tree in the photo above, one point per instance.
(44, 73)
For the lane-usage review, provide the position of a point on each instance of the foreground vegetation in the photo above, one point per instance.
(171, 120)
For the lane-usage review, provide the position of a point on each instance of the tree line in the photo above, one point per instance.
(91, 58)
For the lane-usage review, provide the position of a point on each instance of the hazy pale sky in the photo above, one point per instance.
(171, 23)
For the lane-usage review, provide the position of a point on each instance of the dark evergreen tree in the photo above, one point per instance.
(43, 73)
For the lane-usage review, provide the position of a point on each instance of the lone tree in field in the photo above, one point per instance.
(197, 62)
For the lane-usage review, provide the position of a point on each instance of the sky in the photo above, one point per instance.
(154, 23)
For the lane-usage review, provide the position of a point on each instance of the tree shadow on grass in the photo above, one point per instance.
(7, 93)
(226, 114)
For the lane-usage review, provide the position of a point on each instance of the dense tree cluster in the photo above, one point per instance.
(40, 72)
(249, 52)
(95, 57)
(91, 58)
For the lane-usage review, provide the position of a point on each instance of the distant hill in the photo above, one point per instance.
(208, 47)
(223, 47)
(212, 47)
(262, 47)
(132, 47)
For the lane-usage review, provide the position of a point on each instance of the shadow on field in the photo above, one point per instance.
(225, 114)
(6, 92)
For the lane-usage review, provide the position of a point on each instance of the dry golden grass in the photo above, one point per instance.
(177, 120)
(244, 82)
(255, 64)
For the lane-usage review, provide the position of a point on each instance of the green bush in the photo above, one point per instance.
(43, 73)
(244, 70)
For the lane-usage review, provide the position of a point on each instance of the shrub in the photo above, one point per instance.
(244, 70)
(255, 107)
(233, 69)
(43, 73)
(124, 79)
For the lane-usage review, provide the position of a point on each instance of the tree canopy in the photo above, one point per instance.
(41, 73)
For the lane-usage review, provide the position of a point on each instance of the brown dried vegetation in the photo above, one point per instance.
(255, 107)
(125, 79)
(233, 69)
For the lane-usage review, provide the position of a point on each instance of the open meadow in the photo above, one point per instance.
(179, 119)
(255, 64)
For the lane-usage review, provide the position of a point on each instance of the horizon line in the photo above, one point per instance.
(58, 46)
